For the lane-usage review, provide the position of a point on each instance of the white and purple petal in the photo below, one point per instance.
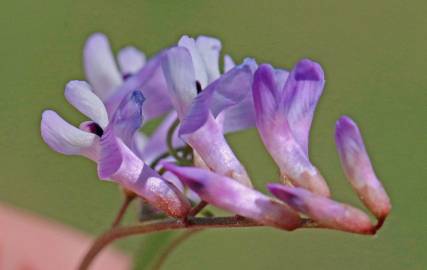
(130, 61)
(128, 119)
(358, 168)
(229, 195)
(199, 66)
(228, 63)
(209, 49)
(180, 73)
(324, 211)
(209, 142)
(67, 139)
(151, 82)
(277, 136)
(80, 95)
(100, 66)
(302, 91)
(120, 164)
(228, 91)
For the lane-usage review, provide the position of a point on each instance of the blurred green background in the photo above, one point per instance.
(374, 54)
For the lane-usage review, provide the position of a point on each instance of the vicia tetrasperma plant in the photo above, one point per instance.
(187, 162)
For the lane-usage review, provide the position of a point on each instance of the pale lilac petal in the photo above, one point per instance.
(209, 142)
(157, 143)
(358, 168)
(209, 49)
(324, 211)
(120, 164)
(228, 63)
(128, 118)
(80, 95)
(180, 76)
(281, 76)
(265, 96)
(199, 66)
(151, 82)
(67, 139)
(277, 136)
(230, 89)
(223, 192)
(302, 90)
(100, 66)
(239, 117)
(130, 60)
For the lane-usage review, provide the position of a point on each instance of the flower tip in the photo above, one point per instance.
(307, 70)
(264, 68)
(344, 123)
(138, 97)
(96, 37)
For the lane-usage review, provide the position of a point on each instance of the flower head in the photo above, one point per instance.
(202, 100)
(284, 107)
(358, 168)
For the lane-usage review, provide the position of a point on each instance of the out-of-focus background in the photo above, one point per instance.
(374, 54)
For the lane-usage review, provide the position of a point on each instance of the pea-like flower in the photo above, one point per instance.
(207, 104)
(358, 168)
(120, 125)
(284, 107)
(188, 158)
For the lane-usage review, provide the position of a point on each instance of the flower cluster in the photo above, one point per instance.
(187, 159)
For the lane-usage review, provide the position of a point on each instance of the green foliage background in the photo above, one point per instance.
(374, 54)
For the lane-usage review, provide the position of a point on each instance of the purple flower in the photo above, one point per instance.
(120, 164)
(358, 168)
(323, 210)
(232, 196)
(206, 103)
(284, 107)
(113, 149)
(119, 127)
(67, 139)
(111, 85)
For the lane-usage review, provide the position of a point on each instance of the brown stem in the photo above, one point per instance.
(125, 205)
(157, 226)
(172, 246)
(196, 209)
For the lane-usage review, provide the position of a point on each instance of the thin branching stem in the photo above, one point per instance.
(168, 224)
(158, 226)
(122, 211)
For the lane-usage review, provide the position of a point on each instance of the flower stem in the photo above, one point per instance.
(163, 225)
(172, 246)
(125, 205)
(196, 209)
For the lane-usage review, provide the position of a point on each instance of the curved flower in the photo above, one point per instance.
(121, 165)
(67, 139)
(112, 85)
(284, 107)
(115, 154)
(200, 97)
(232, 196)
(324, 211)
(358, 168)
